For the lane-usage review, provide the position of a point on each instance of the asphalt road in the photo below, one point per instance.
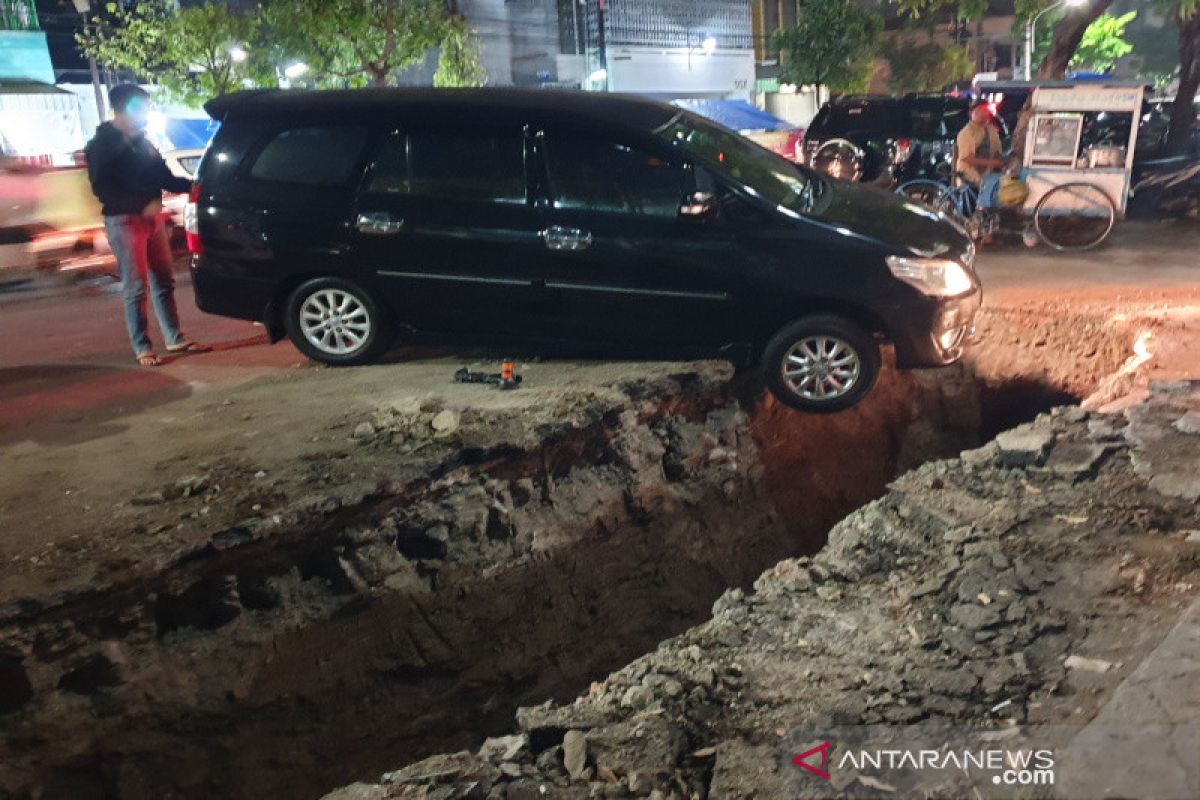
(65, 364)
(66, 360)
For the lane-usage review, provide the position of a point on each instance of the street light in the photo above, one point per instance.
(84, 7)
(1031, 31)
(708, 46)
(599, 77)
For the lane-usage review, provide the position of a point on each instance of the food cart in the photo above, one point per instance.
(1079, 153)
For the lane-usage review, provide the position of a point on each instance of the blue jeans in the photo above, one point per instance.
(144, 255)
(989, 190)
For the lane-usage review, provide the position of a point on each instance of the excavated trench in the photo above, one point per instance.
(418, 620)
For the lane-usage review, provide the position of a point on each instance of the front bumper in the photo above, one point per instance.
(936, 333)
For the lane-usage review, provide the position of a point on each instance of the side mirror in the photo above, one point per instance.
(701, 205)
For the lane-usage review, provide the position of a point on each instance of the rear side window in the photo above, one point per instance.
(933, 121)
(872, 119)
(317, 156)
(474, 167)
(189, 164)
(597, 175)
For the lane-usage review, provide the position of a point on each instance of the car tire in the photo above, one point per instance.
(806, 360)
(336, 322)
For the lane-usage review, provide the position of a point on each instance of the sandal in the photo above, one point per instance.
(188, 346)
(149, 359)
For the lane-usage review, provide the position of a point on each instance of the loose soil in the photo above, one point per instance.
(280, 587)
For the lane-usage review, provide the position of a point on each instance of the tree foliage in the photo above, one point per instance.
(925, 66)
(345, 43)
(1103, 42)
(831, 45)
(188, 51)
(459, 62)
(963, 9)
(357, 42)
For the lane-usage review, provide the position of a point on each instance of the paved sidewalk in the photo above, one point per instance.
(1145, 742)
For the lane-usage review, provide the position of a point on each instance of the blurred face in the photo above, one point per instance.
(138, 111)
(980, 115)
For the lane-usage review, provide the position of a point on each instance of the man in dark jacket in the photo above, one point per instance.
(129, 176)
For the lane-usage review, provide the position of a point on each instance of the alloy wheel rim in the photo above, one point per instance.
(821, 368)
(335, 321)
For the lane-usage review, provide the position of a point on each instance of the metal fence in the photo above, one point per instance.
(672, 23)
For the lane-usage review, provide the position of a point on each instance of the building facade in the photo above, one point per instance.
(670, 48)
(23, 50)
(38, 121)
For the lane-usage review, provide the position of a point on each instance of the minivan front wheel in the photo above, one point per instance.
(821, 364)
(335, 322)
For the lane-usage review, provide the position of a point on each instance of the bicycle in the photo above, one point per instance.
(1070, 217)
(959, 202)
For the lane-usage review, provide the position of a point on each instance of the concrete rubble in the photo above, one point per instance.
(1018, 587)
(333, 619)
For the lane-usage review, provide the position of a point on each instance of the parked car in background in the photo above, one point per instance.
(183, 163)
(50, 221)
(20, 194)
(885, 140)
(623, 225)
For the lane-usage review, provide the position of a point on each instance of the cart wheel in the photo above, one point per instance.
(1074, 216)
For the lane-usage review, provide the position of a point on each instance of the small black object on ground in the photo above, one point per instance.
(506, 378)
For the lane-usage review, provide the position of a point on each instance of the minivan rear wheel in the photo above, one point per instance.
(821, 364)
(336, 322)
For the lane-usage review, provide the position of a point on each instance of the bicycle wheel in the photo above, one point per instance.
(922, 190)
(1074, 216)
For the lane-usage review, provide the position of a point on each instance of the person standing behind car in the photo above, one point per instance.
(128, 177)
(980, 154)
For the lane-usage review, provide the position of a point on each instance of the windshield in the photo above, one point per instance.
(771, 177)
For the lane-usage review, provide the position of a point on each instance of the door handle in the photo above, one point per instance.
(378, 223)
(569, 239)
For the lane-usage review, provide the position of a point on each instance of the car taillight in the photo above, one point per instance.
(191, 221)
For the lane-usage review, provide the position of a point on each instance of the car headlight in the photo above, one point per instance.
(939, 277)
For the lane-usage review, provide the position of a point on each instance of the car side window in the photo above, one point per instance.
(598, 175)
(313, 156)
(476, 167)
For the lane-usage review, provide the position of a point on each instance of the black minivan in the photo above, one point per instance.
(345, 218)
(886, 140)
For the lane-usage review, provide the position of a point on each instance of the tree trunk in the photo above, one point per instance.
(1183, 112)
(1068, 33)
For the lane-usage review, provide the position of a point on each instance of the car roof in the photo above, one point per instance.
(863, 99)
(628, 110)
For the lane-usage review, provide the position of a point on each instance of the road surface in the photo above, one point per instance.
(67, 372)
(67, 375)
